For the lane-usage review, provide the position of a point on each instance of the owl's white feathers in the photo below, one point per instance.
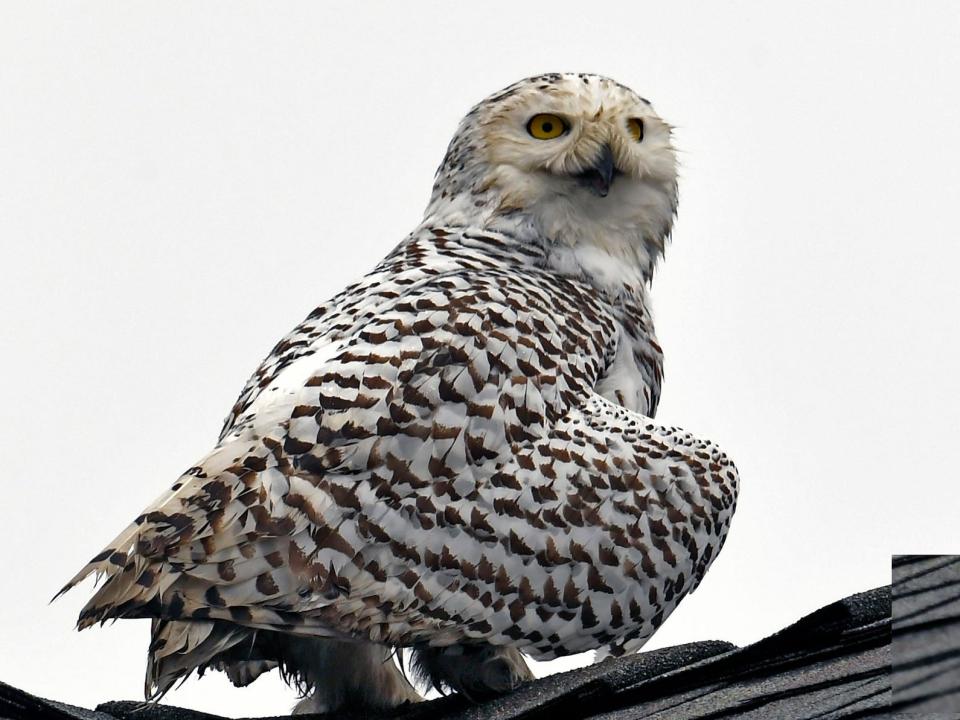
(457, 450)
(496, 176)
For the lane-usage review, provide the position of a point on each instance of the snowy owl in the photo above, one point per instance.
(454, 456)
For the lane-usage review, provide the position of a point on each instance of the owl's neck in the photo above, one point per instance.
(613, 242)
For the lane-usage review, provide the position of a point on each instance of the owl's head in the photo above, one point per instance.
(578, 161)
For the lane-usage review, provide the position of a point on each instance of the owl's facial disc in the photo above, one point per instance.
(589, 143)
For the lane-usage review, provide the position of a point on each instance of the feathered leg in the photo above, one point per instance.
(345, 675)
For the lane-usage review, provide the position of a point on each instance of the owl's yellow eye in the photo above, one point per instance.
(635, 126)
(546, 126)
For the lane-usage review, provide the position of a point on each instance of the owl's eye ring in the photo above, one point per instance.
(547, 126)
(635, 128)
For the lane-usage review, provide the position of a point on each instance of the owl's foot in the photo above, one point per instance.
(475, 671)
(349, 676)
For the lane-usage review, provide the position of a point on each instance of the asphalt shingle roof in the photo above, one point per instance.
(925, 651)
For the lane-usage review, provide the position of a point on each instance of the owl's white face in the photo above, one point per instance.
(577, 159)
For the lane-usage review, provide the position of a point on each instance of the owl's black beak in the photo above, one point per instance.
(599, 178)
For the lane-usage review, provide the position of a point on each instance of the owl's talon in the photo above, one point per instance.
(478, 672)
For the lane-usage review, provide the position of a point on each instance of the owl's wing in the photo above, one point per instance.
(586, 537)
(419, 259)
(308, 345)
(500, 498)
(440, 371)
(446, 472)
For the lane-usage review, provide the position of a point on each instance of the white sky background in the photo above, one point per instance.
(180, 183)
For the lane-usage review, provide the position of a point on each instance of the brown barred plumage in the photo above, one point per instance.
(455, 452)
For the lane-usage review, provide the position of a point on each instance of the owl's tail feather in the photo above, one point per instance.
(177, 648)
(231, 540)
(107, 562)
(161, 526)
